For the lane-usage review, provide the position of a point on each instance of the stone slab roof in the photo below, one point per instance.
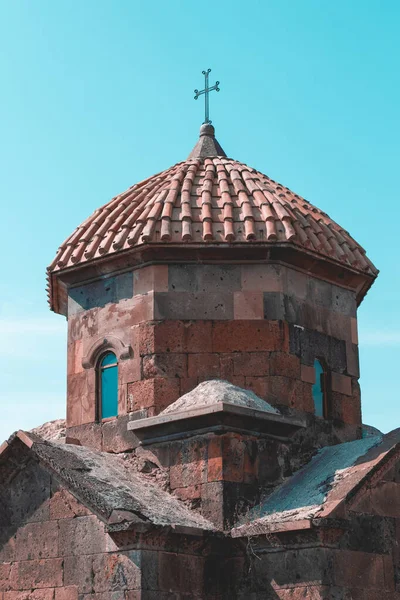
(320, 487)
(107, 485)
(213, 391)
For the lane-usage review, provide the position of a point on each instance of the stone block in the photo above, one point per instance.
(341, 384)
(193, 306)
(45, 573)
(360, 570)
(285, 390)
(249, 336)
(233, 450)
(203, 365)
(248, 305)
(215, 461)
(352, 360)
(212, 502)
(197, 336)
(319, 293)
(38, 594)
(274, 306)
(150, 279)
(78, 572)
(5, 572)
(116, 437)
(82, 535)
(116, 571)
(258, 385)
(308, 374)
(282, 363)
(354, 330)
(187, 384)
(66, 593)
(63, 505)
(36, 540)
(226, 366)
(76, 389)
(204, 278)
(164, 365)
(88, 435)
(262, 277)
(181, 573)
(251, 364)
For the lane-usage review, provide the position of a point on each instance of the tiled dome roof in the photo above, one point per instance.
(209, 199)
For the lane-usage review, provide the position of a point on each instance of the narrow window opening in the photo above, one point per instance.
(318, 391)
(108, 386)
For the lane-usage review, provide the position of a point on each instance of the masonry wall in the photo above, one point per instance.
(258, 326)
(53, 548)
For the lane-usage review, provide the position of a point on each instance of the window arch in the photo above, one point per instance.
(318, 389)
(108, 386)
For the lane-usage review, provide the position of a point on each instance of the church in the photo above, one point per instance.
(214, 445)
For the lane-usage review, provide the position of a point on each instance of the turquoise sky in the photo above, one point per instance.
(97, 95)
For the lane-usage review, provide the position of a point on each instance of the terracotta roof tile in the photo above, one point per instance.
(205, 200)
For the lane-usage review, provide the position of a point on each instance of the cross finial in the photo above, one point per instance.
(206, 91)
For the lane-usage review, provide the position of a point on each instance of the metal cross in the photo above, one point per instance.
(206, 92)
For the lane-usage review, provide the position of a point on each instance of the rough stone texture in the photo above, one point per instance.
(211, 392)
(175, 326)
(52, 546)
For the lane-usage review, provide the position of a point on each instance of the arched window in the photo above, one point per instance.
(108, 386)
(318, 389)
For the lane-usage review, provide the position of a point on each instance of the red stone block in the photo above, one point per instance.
(197, 336)
(258, 385)
(285, 390)
(203, 365)
(188, 493)
(354, 331)
(169, 336)
(28, 574)
(346, 408)
(282, 363)
(146, 335)
(38, 594)
(63, 505)
(166, 391)
(66, 593)
(214, 462)
(249, 336)
(238, 380)
(151, 279)
(308, 374)
(341, 384)
(251, 363)
(226, 366)
(5, 570)
(141, 394)
(187, 384)
(36, 540)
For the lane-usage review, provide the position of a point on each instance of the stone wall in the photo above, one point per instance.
(258, 326)
(53, 548)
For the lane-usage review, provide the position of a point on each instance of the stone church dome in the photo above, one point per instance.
(210, 200)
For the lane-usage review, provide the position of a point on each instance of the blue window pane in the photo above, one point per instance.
(317, 390)
(109, 392)
(109, 359)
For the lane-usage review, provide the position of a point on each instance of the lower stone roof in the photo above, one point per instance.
(108, 485)
(320, 487)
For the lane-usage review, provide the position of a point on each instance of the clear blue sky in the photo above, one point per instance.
(97, 95)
